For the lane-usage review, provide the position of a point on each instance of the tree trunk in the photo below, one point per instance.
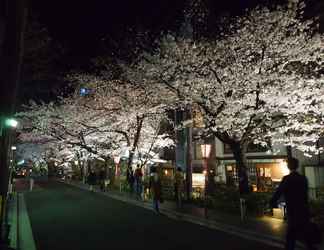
(135, 143)
(189, 164)
(241, 166)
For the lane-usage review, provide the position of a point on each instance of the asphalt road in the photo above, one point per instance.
(64, 217)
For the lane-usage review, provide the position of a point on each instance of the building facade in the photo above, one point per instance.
(266, 167)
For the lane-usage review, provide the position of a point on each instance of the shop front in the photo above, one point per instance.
(264, 174)
(198, 184)
(264, 177)
(166, 172)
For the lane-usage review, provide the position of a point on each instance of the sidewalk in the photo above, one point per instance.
(270, 231)
(20, 231)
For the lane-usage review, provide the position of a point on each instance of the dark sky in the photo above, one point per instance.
(86, 28)
(84, 22)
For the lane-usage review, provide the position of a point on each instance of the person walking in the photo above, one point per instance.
(102, 178)
(156, 189)
(178, 186)
(131, 181)
(32, 176)
(92, 179)
(138, 177)
(294, 189)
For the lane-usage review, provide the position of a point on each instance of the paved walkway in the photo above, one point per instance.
(267, 230)
(64, 217)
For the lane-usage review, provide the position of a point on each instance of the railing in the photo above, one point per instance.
(316, 193)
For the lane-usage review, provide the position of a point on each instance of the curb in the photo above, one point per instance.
(25, 234)
(13, 222)
(243, 233)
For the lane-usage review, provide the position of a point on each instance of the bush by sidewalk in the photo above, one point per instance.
(227, 199)
(223, 199)
(257, 203)
(317, 212)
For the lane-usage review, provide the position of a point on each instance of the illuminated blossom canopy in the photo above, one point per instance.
(265, 71)
(114, 118)
(261, 78)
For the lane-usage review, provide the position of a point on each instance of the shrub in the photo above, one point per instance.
(224, 198)
(317, 212)
(257, 202)
(227, 199)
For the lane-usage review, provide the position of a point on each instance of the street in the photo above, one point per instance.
(64, 217)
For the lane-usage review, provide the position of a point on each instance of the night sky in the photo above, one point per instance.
(83, 24)
(90, 28)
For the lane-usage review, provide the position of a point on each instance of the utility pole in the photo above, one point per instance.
(12, 24)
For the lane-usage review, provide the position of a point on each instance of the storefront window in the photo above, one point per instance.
(263, 177)
(198, 180)
(231, 175)
(252, 148)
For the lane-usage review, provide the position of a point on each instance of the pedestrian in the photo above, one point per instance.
(102, 178)
(294, 189)
(138, 177)
(178, 186)
(31, 179)
(12, 182)
(92, 179)
(131, 180)
(156, 189)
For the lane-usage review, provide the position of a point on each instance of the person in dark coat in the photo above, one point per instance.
(138, 177)
(294, 189)
(156, 189)
(102, 178)
(92, 179)
(131, 180)
(178, 186)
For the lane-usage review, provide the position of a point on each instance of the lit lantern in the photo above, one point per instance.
(205, 150)
(116, 161)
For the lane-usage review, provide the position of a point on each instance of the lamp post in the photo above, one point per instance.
(205, 152)
(7, 126)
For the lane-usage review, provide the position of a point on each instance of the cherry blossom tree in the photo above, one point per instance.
(112, 118)
(262, 77)
(134, 112)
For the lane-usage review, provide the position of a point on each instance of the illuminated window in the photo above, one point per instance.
(252, 148)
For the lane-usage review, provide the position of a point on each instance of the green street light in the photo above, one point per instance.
(7, 123)
(10, 122)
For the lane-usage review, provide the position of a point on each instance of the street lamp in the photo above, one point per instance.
(13, 148)
(10, 122)
(84, 91)
(7, 123)
(205, 152)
